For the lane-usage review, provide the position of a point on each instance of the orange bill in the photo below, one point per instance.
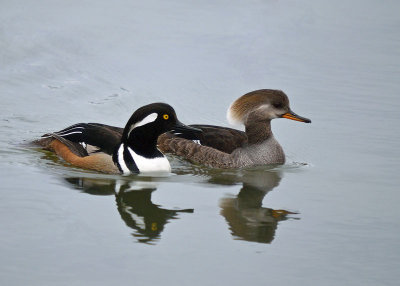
(293, 116)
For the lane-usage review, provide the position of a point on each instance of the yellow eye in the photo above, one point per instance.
(166, 116)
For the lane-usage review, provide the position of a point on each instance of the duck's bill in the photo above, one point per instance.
(185, 131)
(293, 116)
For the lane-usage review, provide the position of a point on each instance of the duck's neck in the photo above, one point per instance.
(143, 144)
(258, 131)
(138, 154)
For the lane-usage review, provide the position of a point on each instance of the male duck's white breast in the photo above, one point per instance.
(158, 164)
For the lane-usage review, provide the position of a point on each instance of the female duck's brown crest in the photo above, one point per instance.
(239, 110)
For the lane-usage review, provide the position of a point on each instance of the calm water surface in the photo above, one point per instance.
(329, 216)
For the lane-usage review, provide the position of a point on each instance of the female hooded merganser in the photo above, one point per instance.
(222, 147)
(111, 149)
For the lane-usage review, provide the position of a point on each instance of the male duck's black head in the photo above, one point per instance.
(262, 105)
(150, 121)
(138, 149)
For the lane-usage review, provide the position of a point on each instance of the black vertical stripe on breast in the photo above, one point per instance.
(115, 158)
(119, 168)
(130, 163)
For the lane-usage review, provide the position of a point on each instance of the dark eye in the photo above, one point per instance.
(278, 105)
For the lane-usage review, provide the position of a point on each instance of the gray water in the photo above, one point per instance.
(329, 216)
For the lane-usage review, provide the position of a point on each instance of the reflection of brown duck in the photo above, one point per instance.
(246, 217)
(134, 204)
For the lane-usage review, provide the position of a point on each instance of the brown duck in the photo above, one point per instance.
(222, 147)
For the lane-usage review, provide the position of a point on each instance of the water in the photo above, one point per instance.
(330, 216)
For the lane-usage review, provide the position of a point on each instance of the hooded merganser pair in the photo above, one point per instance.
(134, 149)
(113, 150)
(222, 147)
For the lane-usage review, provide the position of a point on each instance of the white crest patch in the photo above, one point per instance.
(148, 119)
(158, 164)
(231, 118)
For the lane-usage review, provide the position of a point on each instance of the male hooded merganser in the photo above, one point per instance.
(222, 147)
(111, 149)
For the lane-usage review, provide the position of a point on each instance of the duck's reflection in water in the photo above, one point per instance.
(141, 214)
(134, 204)
(246, 217)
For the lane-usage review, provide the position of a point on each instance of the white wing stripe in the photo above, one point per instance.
(66, 134)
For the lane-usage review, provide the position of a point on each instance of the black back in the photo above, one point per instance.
(221, 138)
(102, 137)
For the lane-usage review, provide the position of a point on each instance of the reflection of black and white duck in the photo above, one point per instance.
(222, 147)
(134, 203)
(111, 149)
(141, 214)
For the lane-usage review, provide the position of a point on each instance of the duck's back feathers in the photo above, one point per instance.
(75, 147)
(73, 153)
(188, 149)
(84, 139)
(85, 145)
(221, 138)
(243, 155)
